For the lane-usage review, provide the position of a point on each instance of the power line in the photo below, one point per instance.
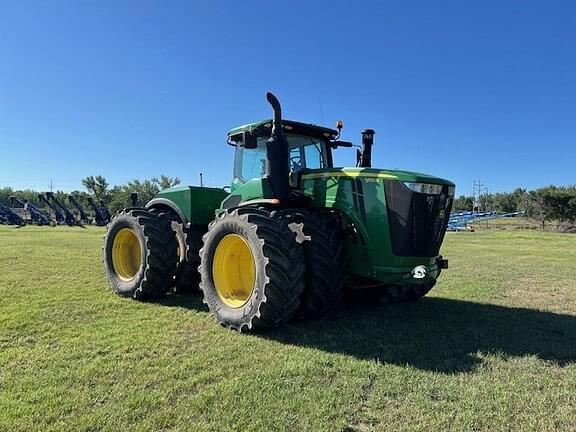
(476, 192)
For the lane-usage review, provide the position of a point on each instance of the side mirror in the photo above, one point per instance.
(250, 140)
(336, 144)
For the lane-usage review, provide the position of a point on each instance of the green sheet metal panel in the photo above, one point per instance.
(197, 203)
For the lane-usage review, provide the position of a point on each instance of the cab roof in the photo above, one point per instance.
(264, 128)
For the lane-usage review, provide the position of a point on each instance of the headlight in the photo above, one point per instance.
(424, 188)
(419, 272)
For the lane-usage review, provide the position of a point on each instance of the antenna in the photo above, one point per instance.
(321, 110)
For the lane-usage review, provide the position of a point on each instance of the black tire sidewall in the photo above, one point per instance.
(122, 287)
(227, 314)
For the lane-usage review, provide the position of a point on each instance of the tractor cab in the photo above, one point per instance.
(309, 147)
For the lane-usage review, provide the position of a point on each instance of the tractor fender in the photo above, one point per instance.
(163, 202)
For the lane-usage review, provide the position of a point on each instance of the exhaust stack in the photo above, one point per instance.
(277, 154)
(134, 199)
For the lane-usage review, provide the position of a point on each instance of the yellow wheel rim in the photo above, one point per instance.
(126, 254)
(234, 270)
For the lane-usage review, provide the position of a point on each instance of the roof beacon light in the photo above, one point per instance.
(339, 126)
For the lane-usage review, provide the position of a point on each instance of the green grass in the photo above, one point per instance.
(492, 348)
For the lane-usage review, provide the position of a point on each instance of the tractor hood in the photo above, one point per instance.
(399, 217)
(405, 176)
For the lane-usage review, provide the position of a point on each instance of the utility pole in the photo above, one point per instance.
(486, 209)
(51, 186)
(477, 191)
(201, 180)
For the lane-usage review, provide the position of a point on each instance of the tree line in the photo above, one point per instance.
(97, 187)
(551, 203)
(557, 203)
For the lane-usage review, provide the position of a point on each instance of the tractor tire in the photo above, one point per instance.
(189, 245)
(252, 274)
(140, 254)
(324, 253)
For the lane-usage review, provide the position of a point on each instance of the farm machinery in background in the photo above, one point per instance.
(462, 221)
(62, 215)
(9, 216)
(36, 216)
(101, 213)
(58, 215)
(23, 211)
(69, 218)
(83, 216)
(292, 233)
(61, 212)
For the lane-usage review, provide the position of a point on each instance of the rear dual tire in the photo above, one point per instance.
(140, 254)
(326, 272)
(187, 275)
(189, 242)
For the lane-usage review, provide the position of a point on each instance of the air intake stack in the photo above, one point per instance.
(365, 158)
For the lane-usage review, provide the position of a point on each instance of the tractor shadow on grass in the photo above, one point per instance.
(192, 301)
(437, 334)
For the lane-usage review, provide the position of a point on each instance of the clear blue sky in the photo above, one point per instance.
(131, 89)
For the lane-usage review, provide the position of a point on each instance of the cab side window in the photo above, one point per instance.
(313, 156)
(250, 163)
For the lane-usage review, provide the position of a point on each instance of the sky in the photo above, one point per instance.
(133, 89)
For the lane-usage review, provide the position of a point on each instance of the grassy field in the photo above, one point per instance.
(518, 223)
(492, 348)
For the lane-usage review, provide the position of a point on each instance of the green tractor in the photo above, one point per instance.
(292, 234)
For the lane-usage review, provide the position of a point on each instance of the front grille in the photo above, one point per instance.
(418, 221)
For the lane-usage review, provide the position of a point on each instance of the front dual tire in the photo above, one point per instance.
(252, 272)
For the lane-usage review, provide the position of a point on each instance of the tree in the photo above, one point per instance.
(5, 194)
(486, 202)
(121, 195)
(24, 195)
(505, 202)
(521, 198)
(463, 203)
(166, 182)
(98, 186)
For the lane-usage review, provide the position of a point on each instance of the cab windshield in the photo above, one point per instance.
(305, 152)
